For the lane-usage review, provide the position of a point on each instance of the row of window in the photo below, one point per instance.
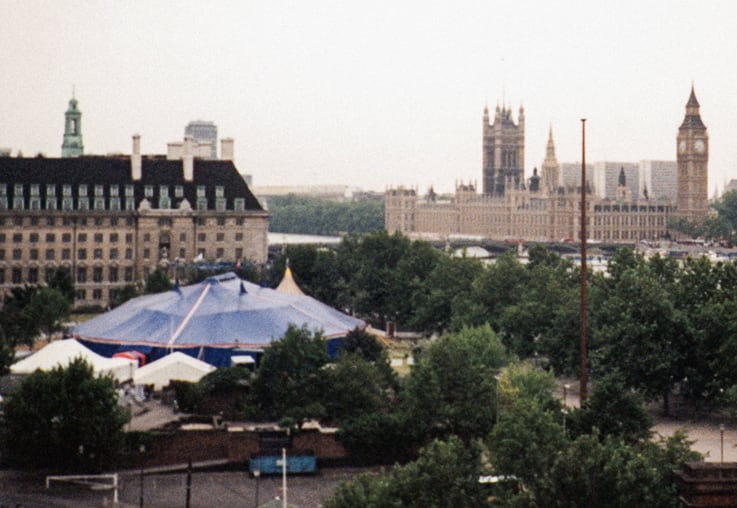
(99, 190)
(66, 221)
(21, 221)
(114, 254)
(112, 237)
(95, 274)
(66, 254)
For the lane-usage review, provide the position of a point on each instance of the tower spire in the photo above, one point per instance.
(72, 145)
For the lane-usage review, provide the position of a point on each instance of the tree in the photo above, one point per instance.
(353, 387)
(62, 281)
(16, 322)
(290, 382)
(451, 389)
(66, 417)
(525, 441)
(444, 285)
(609, 473)
(445, 474)
(305, 215)
(49, 310)
(639, 332)
(158, 282)
(7, 354)
(614, 410)
(125, 293)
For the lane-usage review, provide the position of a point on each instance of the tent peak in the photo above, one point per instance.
(288, 284)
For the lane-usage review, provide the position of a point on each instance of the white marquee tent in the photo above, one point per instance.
(63, 352)
(175, 366)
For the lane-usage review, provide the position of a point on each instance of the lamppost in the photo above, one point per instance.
(566, 386)
(256, 474)
(721, 432)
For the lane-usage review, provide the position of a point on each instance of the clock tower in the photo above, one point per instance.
(692, 145)
(72, 145)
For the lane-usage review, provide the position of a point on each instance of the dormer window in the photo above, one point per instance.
(83, 190)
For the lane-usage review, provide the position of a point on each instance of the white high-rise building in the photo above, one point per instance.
(659, 179)
(204, 132)
(606, 178)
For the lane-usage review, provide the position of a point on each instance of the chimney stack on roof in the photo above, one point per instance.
(188, 158)
(227, 149)
(136, 158)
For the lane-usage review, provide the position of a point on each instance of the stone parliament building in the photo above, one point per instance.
(111, 220)
(541, 208)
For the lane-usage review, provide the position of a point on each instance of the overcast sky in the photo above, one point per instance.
(371, 94)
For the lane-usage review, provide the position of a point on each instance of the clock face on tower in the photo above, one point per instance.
(682, 146)
(699, 146)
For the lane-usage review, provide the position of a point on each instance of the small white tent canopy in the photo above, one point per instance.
(175, 366)
(63, 352)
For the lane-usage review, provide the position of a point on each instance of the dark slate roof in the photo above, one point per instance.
(692, 120)
(156, 171)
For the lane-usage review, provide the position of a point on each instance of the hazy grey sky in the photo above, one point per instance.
(371, 93)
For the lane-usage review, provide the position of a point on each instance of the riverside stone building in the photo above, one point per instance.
(112, 220)
(543, 208)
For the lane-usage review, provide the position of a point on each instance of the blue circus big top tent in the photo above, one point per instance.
(219, 318)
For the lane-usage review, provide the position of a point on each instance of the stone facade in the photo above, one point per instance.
(112, 220)
(503, 156)
(546, 208)
(693, 157)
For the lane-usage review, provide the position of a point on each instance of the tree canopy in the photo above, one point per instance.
(64, 418)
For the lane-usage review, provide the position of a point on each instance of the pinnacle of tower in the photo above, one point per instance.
(693, 116)
(622, 178)
(692, 102)
(550, 149)
(486, 109)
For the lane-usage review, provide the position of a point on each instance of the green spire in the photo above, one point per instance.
(72, 145)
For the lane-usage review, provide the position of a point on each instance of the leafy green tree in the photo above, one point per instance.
(354, 386)
(725, 224)
(445, 474)
(639, 332)
(521, 380)
(382, 273)
(62, 281)
(498, 287)
(127, 292)
(451, 389)
(526, 440)
(15, 320)
(360, 342)
(379, 438)
(446, 283)
(609, 473)
(158, 281)
(614, 410)
(63, 418)
(305, 215)
(7, 353)
(290, 381)
(49, 310)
